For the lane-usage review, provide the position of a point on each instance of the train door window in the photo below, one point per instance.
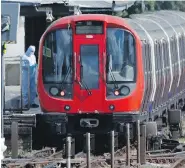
(171, 50)
(175, 54)
(183, 50)
(163, 60)
(144, 56)
(167, 72)
(150, 70)
(157, 72)
(167, 54)
(147, 57)
(89, 58)
(144, 70)
(181, 58)
(155, 51)
(160, 72)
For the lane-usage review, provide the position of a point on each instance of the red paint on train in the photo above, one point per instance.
(96, 101)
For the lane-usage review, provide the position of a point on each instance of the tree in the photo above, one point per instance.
(152, 5)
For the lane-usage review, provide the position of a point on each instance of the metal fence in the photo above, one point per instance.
(13, 97)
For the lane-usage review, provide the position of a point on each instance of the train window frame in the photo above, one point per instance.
(150, 70)
(167, 53)
(161, 57)
(172, 53)
(156, 55)
(135, 53)
(144, 56)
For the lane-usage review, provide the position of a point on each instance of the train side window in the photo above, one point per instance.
(171, 50)
(175, 51)
(156, 55)
(149, 57)
(183, 51)
(160, 57)
(167, 54)
(181, 47)
(145, 72)
(164, 55)
(144, 56)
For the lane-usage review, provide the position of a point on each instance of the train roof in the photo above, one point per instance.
(159, 24)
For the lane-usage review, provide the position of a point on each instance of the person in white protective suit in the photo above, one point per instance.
(29, 70)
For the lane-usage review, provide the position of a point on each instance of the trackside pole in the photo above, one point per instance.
(14, 140)
(112, 149)
(128, 145)
(68, 142)
(138, 143)
(143, 145)
(88, 149)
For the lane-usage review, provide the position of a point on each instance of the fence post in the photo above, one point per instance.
(138, 142)
(128, 145)
(143, 145)
(88, 149)
(14, 139)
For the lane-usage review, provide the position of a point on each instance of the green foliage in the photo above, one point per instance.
(152, 5)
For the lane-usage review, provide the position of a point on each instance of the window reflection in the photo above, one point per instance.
(57, 56)
(121, 54)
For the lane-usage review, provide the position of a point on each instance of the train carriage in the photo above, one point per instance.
(99, 72)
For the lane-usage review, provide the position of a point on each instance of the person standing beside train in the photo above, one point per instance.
(29, 69)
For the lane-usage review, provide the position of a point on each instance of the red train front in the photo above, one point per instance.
(90, 74)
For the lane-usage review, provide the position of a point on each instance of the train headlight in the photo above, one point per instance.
(124, 90)
(54, 91)
(62, 93)
(67, 108)
(116, 92)
(111, 107)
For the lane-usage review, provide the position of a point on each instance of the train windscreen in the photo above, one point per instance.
(57, 60)
(120, 56)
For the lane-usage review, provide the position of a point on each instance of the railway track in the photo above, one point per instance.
(179, 163)
(125, 156)
(50, 158)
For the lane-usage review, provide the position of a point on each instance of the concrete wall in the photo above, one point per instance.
(11, 59)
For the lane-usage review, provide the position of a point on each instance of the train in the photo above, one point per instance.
(97, 72)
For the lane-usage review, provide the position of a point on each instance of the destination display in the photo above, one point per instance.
(89, 27)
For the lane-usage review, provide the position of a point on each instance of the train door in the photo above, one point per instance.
(89, 69)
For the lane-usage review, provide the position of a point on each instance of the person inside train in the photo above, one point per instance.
(121, 53)
(127, 69)
(29, 69)
(63, 54)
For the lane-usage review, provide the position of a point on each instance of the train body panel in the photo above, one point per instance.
(164, 72)
(92, 100)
